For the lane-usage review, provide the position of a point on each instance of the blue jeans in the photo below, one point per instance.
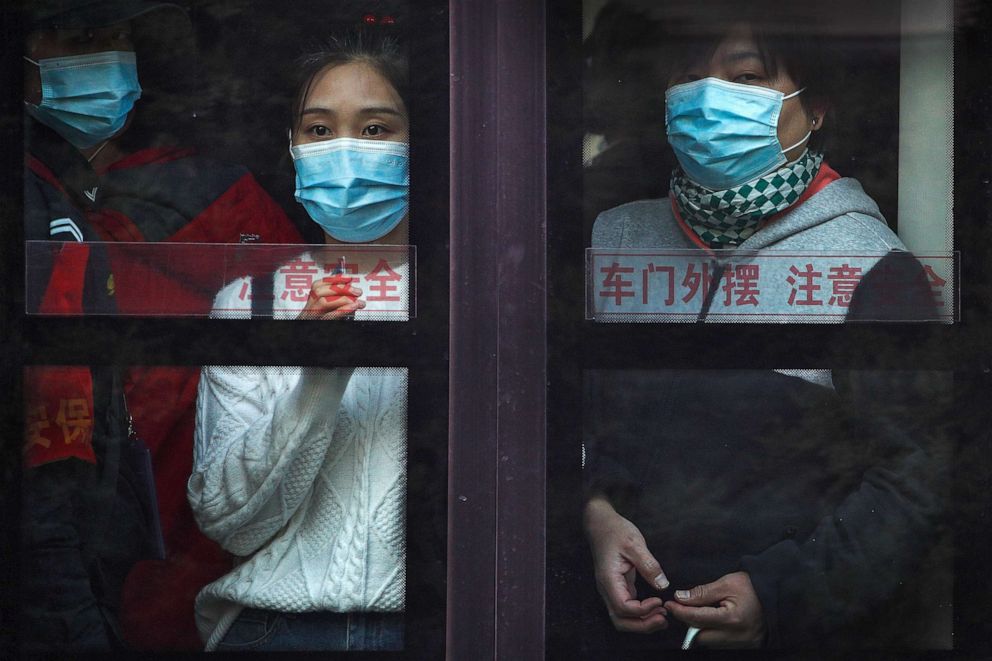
(265, 630)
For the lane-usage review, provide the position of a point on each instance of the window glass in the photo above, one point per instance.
(295, 503)
(191, 481)
(715, 127)
(727, 486)
(212, 123)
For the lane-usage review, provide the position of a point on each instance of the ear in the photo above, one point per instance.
(817, 115)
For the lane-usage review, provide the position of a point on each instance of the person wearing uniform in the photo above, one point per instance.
(84, 182)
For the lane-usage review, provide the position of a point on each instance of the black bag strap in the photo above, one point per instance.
(108, 437)
(262, 298)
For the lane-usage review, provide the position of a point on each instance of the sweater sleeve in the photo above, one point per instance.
(259, 442)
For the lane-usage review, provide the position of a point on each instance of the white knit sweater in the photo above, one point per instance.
(301, 472)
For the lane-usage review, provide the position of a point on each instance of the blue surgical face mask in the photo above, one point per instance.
(86, 98)
(357, 190)
(725, 134)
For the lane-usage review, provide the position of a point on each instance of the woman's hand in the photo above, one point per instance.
(727, 612)
(619, 553)
(332, 298)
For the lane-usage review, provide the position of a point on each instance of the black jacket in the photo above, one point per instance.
(85, 520)
(829, 497)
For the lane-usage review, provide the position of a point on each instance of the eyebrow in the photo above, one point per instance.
(739, 56)
(374, 110)
(381, 110)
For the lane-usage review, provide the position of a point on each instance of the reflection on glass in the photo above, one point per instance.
(779, 508)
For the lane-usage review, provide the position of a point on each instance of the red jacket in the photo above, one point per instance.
(171, 195)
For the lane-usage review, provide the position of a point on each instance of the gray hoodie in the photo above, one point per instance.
(839, 219)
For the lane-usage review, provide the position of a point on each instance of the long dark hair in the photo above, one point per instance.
(379, 50)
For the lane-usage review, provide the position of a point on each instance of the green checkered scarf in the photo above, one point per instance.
(728, 217)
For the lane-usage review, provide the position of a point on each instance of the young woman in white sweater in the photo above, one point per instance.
(301, 472)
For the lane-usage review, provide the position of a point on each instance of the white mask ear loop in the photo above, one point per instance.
(98, 150)
(808, 133)
(805, 138)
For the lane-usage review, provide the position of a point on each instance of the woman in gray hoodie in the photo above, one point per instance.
(788, 509)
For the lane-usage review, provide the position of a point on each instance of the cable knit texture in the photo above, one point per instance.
(301, 472)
